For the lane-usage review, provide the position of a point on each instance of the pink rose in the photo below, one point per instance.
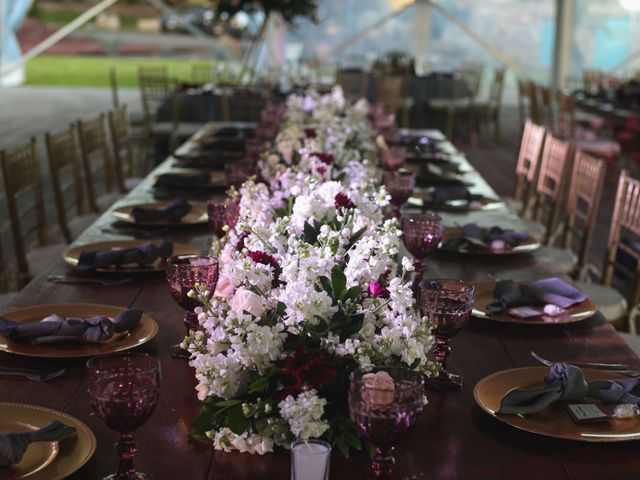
(246, 301)
(379, 389)
(224, 288)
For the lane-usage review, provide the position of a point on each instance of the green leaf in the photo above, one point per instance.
(338, 281)
(259, 385)
(343, 445)
(353, 293)
(228, 403)
(310, 233)
(355, 237)
(353, 440)
(203, 422)
(236, 421)
(326, 284)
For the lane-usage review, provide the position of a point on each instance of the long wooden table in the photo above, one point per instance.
(453, 439)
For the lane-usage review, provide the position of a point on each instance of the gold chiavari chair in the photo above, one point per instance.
(527, 168)
(25, 202)
(97, 164)
(534, 102)
(123, 151)
(113, 83)
(243, 105)
(389, 93)
(66, 179)
(490, 109)
(202, 73)
(523, 101)
(545, 107)
(354, 82)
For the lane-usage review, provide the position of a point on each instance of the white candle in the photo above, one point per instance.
(310, 460)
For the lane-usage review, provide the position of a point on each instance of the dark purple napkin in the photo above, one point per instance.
(554, 290)
(178, 208)
(14, 444)
(55, 329)
(473, 235)
(442, 195)
(566, 382)
(143, 255)
(184, 182)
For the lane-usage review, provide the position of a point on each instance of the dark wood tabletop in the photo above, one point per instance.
(453, 439)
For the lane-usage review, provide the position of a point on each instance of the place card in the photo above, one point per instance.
(586, 412)
(524, 312)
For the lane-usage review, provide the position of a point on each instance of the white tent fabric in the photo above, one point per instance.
(13, 13)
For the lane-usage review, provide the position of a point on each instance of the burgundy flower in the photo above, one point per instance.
(240, 244)
(342, 201)
(377, 290)
(326, 158)
(310, 132)
(321, 170)
(304, 370)
(263, 258)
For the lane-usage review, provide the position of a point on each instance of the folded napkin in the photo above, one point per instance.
(554, 290)
(183, 182)
(566, 382)
(13, 445)
(494, 237)
(442, 195)
(178, 208)
(143, 255)
(55, 329)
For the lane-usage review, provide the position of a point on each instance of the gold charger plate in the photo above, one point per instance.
(483, 293)
(481, 204)
(146, 329)
(45, 460)
(554, 421)
(527, 246)
(197, 214)
(72, 255)
(216, 178)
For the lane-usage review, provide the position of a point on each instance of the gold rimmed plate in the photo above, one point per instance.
(483, 293)
(72, 255)
(197, 214)
(419, 199)
(527, 245)
(554, 421)
(46, 460)
(146, 329)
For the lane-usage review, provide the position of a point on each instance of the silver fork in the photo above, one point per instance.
(620, 368)
(33, 375)
(96, 281)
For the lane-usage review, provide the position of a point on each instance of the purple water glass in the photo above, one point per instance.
(447, 304)
(422, 234)
(238, 173)
(392, 158)
(384, 403)
(123, 391)
(400, 185)
(183, 273)
(222, 212)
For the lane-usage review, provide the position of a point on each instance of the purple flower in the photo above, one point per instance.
(377, 290)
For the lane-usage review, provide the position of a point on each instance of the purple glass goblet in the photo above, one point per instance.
(447, 304)
(238, 173)
(400, 185)
(222, 212)
(422, 234)
(392, 158)
(183, 273)
(123, 391)
(384, 403)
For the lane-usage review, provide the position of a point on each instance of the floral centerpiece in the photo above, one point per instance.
(309, 290)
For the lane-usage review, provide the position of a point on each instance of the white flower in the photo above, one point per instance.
(304, 414)
(224, 287)
(246, 301)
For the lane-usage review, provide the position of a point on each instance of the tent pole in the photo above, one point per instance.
(562, 43)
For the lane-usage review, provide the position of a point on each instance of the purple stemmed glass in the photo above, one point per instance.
(222, 212)
(392, 158)
(422, 234)
(183, 273)
(400, 185)
(384, 403)
(447, 304)
(123, 391)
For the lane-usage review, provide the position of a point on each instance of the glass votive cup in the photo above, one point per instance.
(310, 460)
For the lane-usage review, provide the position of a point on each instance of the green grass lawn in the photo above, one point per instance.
(94, 71)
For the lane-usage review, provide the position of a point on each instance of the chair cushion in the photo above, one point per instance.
(445, 103)
(41, 258)
(611, 303)
(562, 257)
(80, 223)
(106, 200)
(599, 147)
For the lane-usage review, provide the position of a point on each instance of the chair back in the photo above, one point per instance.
(471, 73)
(550, 184)
(113, 82)
(155, 86)
(354, 82)
(96, 159)
(523, 101)
(25, 202)
(566, 124)
(625, 226)
(545, 107)
(527, 166)
(583, 199)
(390, 92)
(534, 102)
(202, 73)
(243, 105)
(496, 88)
(66, 179)
(122, 144)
